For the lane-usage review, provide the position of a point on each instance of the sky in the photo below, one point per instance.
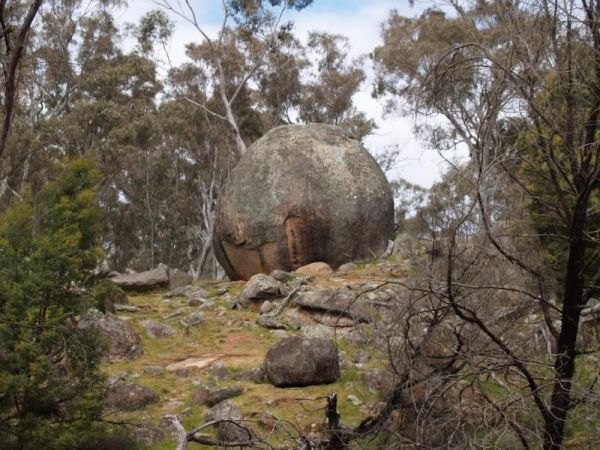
(360, 21)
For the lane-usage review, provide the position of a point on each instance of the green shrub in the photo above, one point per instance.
(50, 385)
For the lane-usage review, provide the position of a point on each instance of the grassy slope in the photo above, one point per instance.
(225, 336)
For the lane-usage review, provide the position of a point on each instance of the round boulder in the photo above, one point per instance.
(297, 361)
(300, 194)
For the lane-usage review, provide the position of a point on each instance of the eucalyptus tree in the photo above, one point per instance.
(517, 83)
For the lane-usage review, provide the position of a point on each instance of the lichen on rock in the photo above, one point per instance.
(300, 194)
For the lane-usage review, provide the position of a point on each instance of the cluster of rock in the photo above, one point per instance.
(308, 309)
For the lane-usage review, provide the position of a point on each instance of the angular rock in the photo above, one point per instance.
(130, 396)
(192, 363)
(194, 318)
(336, 320)
(316, 268)
(122, 340)
(348, 267)
(196, 302)
(378, 380)
(208, 305)
(154, 370)
(281, 334)
(302, 193)
(200, 395)
(127, 308)
(341, 302)
(318, 331)
(261, 286)
(145, 433)
(266, 307)
(157, 330)
(219, 371)
(183, 291)
(282, 276)
(179, 278)
(256, 375)
(143, 281)
(231, 430)
(297, 361)
(271, 323)
(217, 396)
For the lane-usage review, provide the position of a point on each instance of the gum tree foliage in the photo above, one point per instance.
(50, 386)
(517, 83)
(159, 137)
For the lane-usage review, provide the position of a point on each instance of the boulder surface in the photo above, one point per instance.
(130, 396)
(301, 194)
(297, 361)
(121, 339)
(142, 281)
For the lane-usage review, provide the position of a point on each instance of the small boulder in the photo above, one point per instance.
(200, 395)
(142, 281)
(230, 430)
(348, 267)
(266, 307)
(219, 371)
(261, 286)
(341, 302)
(130, 396)
(256, 375)
(297, 361)
(196, 302)
(208, 305)
(378, 380)
(193, 319)
(144, 433)
(157, 330)
(179, 278)
(217, 396)
(271, 323)
(282, 276)
(154, 371)
(316, 268)
(121, 339)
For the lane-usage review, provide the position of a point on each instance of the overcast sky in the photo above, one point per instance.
(360, 21)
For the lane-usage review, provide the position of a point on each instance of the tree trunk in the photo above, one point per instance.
(564, 364)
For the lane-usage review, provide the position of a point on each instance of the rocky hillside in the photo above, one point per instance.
(198, 351)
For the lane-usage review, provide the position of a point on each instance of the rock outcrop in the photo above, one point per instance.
(340, 302)
(297, 361)
(143, 281)
(301, 194)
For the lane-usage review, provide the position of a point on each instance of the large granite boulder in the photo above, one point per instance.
(300, 194)
(297, 361)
